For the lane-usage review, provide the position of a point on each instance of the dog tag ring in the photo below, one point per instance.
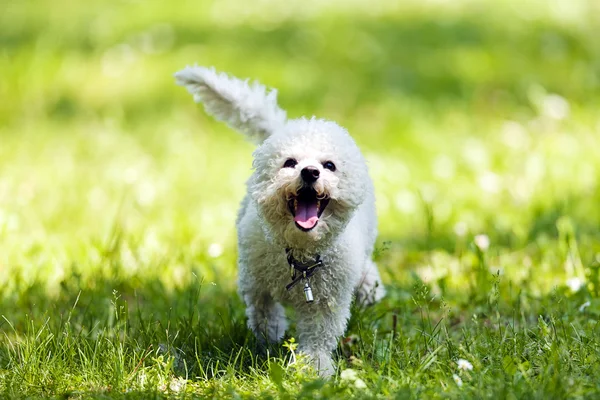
(308, 293)
(306, 271)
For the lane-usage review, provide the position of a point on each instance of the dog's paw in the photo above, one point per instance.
(321, 362)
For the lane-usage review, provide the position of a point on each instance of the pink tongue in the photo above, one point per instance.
(306, 214)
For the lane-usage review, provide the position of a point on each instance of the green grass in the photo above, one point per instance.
(118, 196)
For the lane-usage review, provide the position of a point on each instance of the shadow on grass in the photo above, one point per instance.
(114, 327)
(119, 334)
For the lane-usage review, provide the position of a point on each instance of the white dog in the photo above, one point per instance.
(307, 226)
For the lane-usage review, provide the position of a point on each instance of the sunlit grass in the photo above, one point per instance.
(118, 195)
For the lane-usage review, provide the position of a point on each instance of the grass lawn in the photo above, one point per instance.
(118, 196)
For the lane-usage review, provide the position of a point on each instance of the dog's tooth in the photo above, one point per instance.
(295, 204)
(318, 204)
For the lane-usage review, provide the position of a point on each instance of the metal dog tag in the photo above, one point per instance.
(308, 293)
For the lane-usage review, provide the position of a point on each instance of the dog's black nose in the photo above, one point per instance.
(310, 174)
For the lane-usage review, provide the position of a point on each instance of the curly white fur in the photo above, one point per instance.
(344, 235)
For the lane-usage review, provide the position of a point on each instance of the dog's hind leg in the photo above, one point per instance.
(266, 318)
(370, 288)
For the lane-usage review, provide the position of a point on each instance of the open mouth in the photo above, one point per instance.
(307, 208)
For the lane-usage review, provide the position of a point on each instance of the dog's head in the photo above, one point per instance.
(308, 180)
(309, 175)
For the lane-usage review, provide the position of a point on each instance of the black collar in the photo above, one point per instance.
(306, 271)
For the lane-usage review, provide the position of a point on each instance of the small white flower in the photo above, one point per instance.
(142, 378)
(515, 135)
(177, 385)
(406, 201)
(356, 361)
(461, 229)
(482, 241)
(464, 365)
(584, 306)
(360, 384)
(555, 107)
(457, 380)
(490, 182)
(349, 375)
(215, 250)
(574, 284)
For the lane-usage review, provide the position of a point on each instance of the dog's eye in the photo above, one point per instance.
(329, 165)
(290, 163)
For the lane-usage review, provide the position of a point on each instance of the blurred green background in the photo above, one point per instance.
(476, 117)
(118, 194)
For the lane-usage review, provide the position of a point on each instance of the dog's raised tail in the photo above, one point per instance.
(243, 105)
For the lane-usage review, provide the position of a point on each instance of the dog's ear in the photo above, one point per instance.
(244, 106)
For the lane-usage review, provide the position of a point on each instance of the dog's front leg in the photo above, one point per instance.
(320, 325)
(266, 318)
